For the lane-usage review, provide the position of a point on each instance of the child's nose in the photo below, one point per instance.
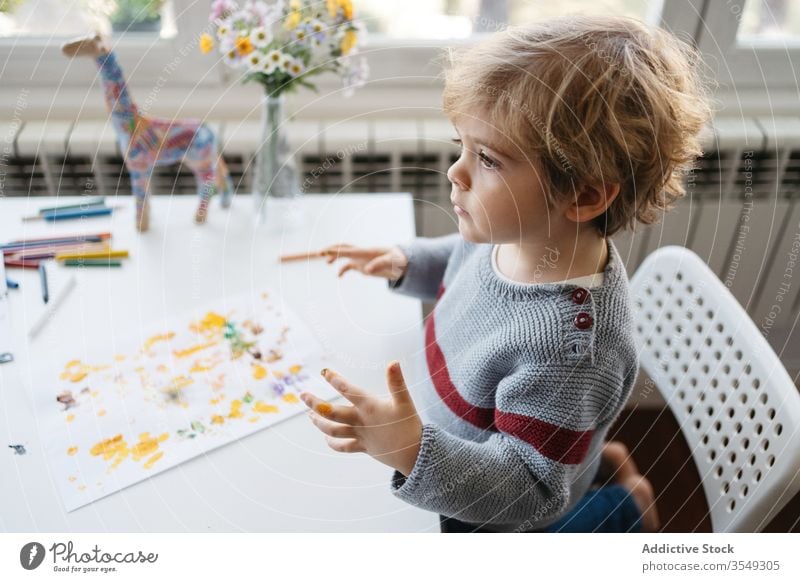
(458, 176)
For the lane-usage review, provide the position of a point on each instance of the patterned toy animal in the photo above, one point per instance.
(147, 142)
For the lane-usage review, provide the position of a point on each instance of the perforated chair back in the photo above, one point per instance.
(736, 405)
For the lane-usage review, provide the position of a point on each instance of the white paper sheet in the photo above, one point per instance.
(119, 417)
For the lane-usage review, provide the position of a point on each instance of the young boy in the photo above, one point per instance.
(570, 130)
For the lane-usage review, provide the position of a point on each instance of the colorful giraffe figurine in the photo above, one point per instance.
(147, 142)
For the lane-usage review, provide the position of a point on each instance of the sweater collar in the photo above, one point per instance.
(613, 272)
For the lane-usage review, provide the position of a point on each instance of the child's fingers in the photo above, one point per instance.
(345, 445)
(353, 393)
(336, 413)
(334, 429)
(397, 384)
(348, 267)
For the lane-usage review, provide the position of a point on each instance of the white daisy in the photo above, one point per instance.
(274, 60)
(260, 37)
(231, 58)
(224, 28)
(295, 68)
(255, 61)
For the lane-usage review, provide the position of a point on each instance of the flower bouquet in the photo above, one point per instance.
(281, 45)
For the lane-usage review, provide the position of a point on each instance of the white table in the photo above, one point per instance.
(283, 478)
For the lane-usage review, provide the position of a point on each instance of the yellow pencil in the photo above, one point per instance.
(96, 255)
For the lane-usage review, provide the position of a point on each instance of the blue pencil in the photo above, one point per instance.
(43, 279)
(86, 212)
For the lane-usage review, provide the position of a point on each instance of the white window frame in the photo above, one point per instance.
(33, 62)
(743, 67)
(405, 77)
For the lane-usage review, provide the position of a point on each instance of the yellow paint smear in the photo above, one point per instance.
(217, 419)
(147, 445)
(72, 450)
(295, 369)
(116, 449)
(290, 398)
(119, 358)
(263, 408)
(259, 372)
(151, 461)
(211, 324)
(101, 413)
(75, 370)
(178, 383)
(72, 479)
(193, 349)
(236, 409)
(70, 417)
(161, 337)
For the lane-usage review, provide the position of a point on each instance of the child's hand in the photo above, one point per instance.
(387, 262)
(387, 429)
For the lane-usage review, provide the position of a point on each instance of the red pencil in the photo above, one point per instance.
(21, 264)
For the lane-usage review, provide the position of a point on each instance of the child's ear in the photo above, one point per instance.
(591, 201)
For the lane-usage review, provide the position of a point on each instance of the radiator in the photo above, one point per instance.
(741, 214)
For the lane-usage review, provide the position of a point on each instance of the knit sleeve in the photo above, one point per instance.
(544, 424)
(427, 261)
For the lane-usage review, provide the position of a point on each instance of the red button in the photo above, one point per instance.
(583, 320)
(580, 295)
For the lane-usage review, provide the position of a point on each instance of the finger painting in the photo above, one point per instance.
(181, 389)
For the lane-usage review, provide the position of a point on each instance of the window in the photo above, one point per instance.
(448, 19)
(752, 45)
(770, 21)
(56, 18)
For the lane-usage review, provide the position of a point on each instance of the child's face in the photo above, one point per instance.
(498, 195)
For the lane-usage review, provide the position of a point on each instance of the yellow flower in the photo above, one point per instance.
(206, 43)
(345, 5)
(292, 20)
(243, 45)
(349, 41)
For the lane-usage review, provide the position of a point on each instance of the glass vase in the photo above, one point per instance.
(276, 188)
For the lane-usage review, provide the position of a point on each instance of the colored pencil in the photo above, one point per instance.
(97, 201)
(92, 263)
(103, 235)
(16, 247)
(51, 307)
(43, 281)
(21, 264)
(70, 214)
(95, 255)
(51, 252)
(301, 257)
(73, 213)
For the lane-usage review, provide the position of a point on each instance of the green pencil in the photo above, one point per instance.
(91, 263)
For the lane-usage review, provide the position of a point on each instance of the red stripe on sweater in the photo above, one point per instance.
(437, 367)
(554, 442)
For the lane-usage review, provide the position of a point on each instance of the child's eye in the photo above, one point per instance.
(487, 162)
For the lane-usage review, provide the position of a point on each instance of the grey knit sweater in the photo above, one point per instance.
(523, 383)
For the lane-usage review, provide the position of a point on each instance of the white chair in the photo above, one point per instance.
(735, 403)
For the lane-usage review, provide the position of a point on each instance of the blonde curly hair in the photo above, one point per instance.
(591, 100)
